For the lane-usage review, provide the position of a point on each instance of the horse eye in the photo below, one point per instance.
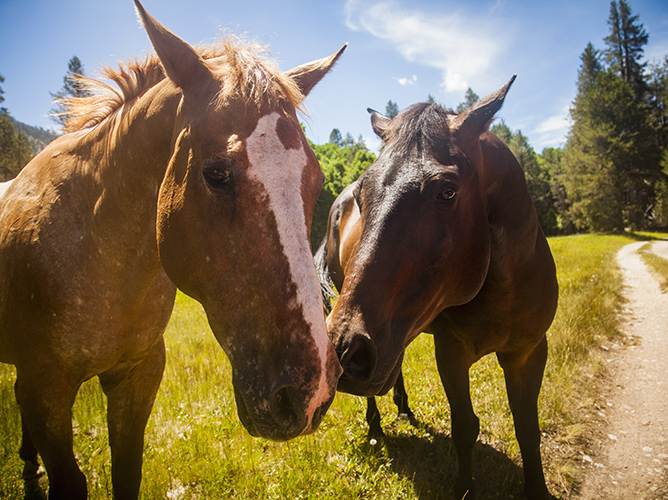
(217, 177)
(448, 193)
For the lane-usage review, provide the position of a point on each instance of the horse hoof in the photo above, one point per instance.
(32, 471)
(407, 417)
(34, 476)
(375, 434)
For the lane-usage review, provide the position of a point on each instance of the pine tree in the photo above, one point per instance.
(658, 105)
(625, 47)
(15, 150)
(335, 137)
(590, 68)
(391, 109)
(610, 163)
(470, 98)
(72, 87)
(658, 101)
(2, 97)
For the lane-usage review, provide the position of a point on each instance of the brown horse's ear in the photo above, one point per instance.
(379, 122)
(308, 75)
(181, 63)
(476, 119)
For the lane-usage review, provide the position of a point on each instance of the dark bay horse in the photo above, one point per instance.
(440, 235)
(196, 175)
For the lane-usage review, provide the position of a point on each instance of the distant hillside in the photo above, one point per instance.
(37, 136)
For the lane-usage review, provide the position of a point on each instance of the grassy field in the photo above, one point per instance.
(196, 447)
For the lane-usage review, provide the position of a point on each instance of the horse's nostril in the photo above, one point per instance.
(286, 407)
(359, 359)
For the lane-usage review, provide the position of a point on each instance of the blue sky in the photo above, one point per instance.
(403, 50)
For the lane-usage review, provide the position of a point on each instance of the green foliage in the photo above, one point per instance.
(611, 169)
(37, 136)
(15, 149)
(657, 98)
(342, 164)
(611, 161)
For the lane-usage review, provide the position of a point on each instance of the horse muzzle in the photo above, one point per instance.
(285, 412)
(364, 373)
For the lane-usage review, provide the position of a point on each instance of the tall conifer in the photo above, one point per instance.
(625, 46)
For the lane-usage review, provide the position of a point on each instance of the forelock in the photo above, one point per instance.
(421, 128)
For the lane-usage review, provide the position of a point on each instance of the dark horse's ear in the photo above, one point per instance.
(379, 122)
(182, 64)
(476, 119)
(308, 75)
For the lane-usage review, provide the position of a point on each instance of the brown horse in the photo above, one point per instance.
(195, 175)
(440, 235)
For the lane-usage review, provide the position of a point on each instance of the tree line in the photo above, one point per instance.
(15, 149)
(20, 142)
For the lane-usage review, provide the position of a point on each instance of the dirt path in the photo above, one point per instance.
(632, 457)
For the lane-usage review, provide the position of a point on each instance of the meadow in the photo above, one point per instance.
(195, 447)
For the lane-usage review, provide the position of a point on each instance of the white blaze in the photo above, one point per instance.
(280, 171)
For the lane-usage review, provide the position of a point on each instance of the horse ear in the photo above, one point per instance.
(308, 75)
(476, 119)
(379, 122)
(182, 64)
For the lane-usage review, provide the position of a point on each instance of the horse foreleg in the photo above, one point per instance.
(401, 400)
(403, 411)
(373, 419)
(453, 367)
(524, 374)
(130, 398)
(31, 468)
(28, 450)
(46, 418)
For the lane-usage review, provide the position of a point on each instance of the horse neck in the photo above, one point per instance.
(128, 156)
(511, 212)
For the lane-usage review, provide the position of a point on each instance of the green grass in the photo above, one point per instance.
(657, 264)
(196, 447)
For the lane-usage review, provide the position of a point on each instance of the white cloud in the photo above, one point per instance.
(553, 130)
(407, 81)
(462, 48)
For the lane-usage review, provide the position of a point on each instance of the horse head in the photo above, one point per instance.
(415, 238)
(233, 220)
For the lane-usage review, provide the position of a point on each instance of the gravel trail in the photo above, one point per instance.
(632, 457)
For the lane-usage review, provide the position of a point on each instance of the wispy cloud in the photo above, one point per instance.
(553, 130)
(461, 48)
(403, 81)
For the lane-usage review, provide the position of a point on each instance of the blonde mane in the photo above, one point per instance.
(249, 71)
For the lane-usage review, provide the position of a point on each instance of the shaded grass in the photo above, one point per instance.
(196, 447)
